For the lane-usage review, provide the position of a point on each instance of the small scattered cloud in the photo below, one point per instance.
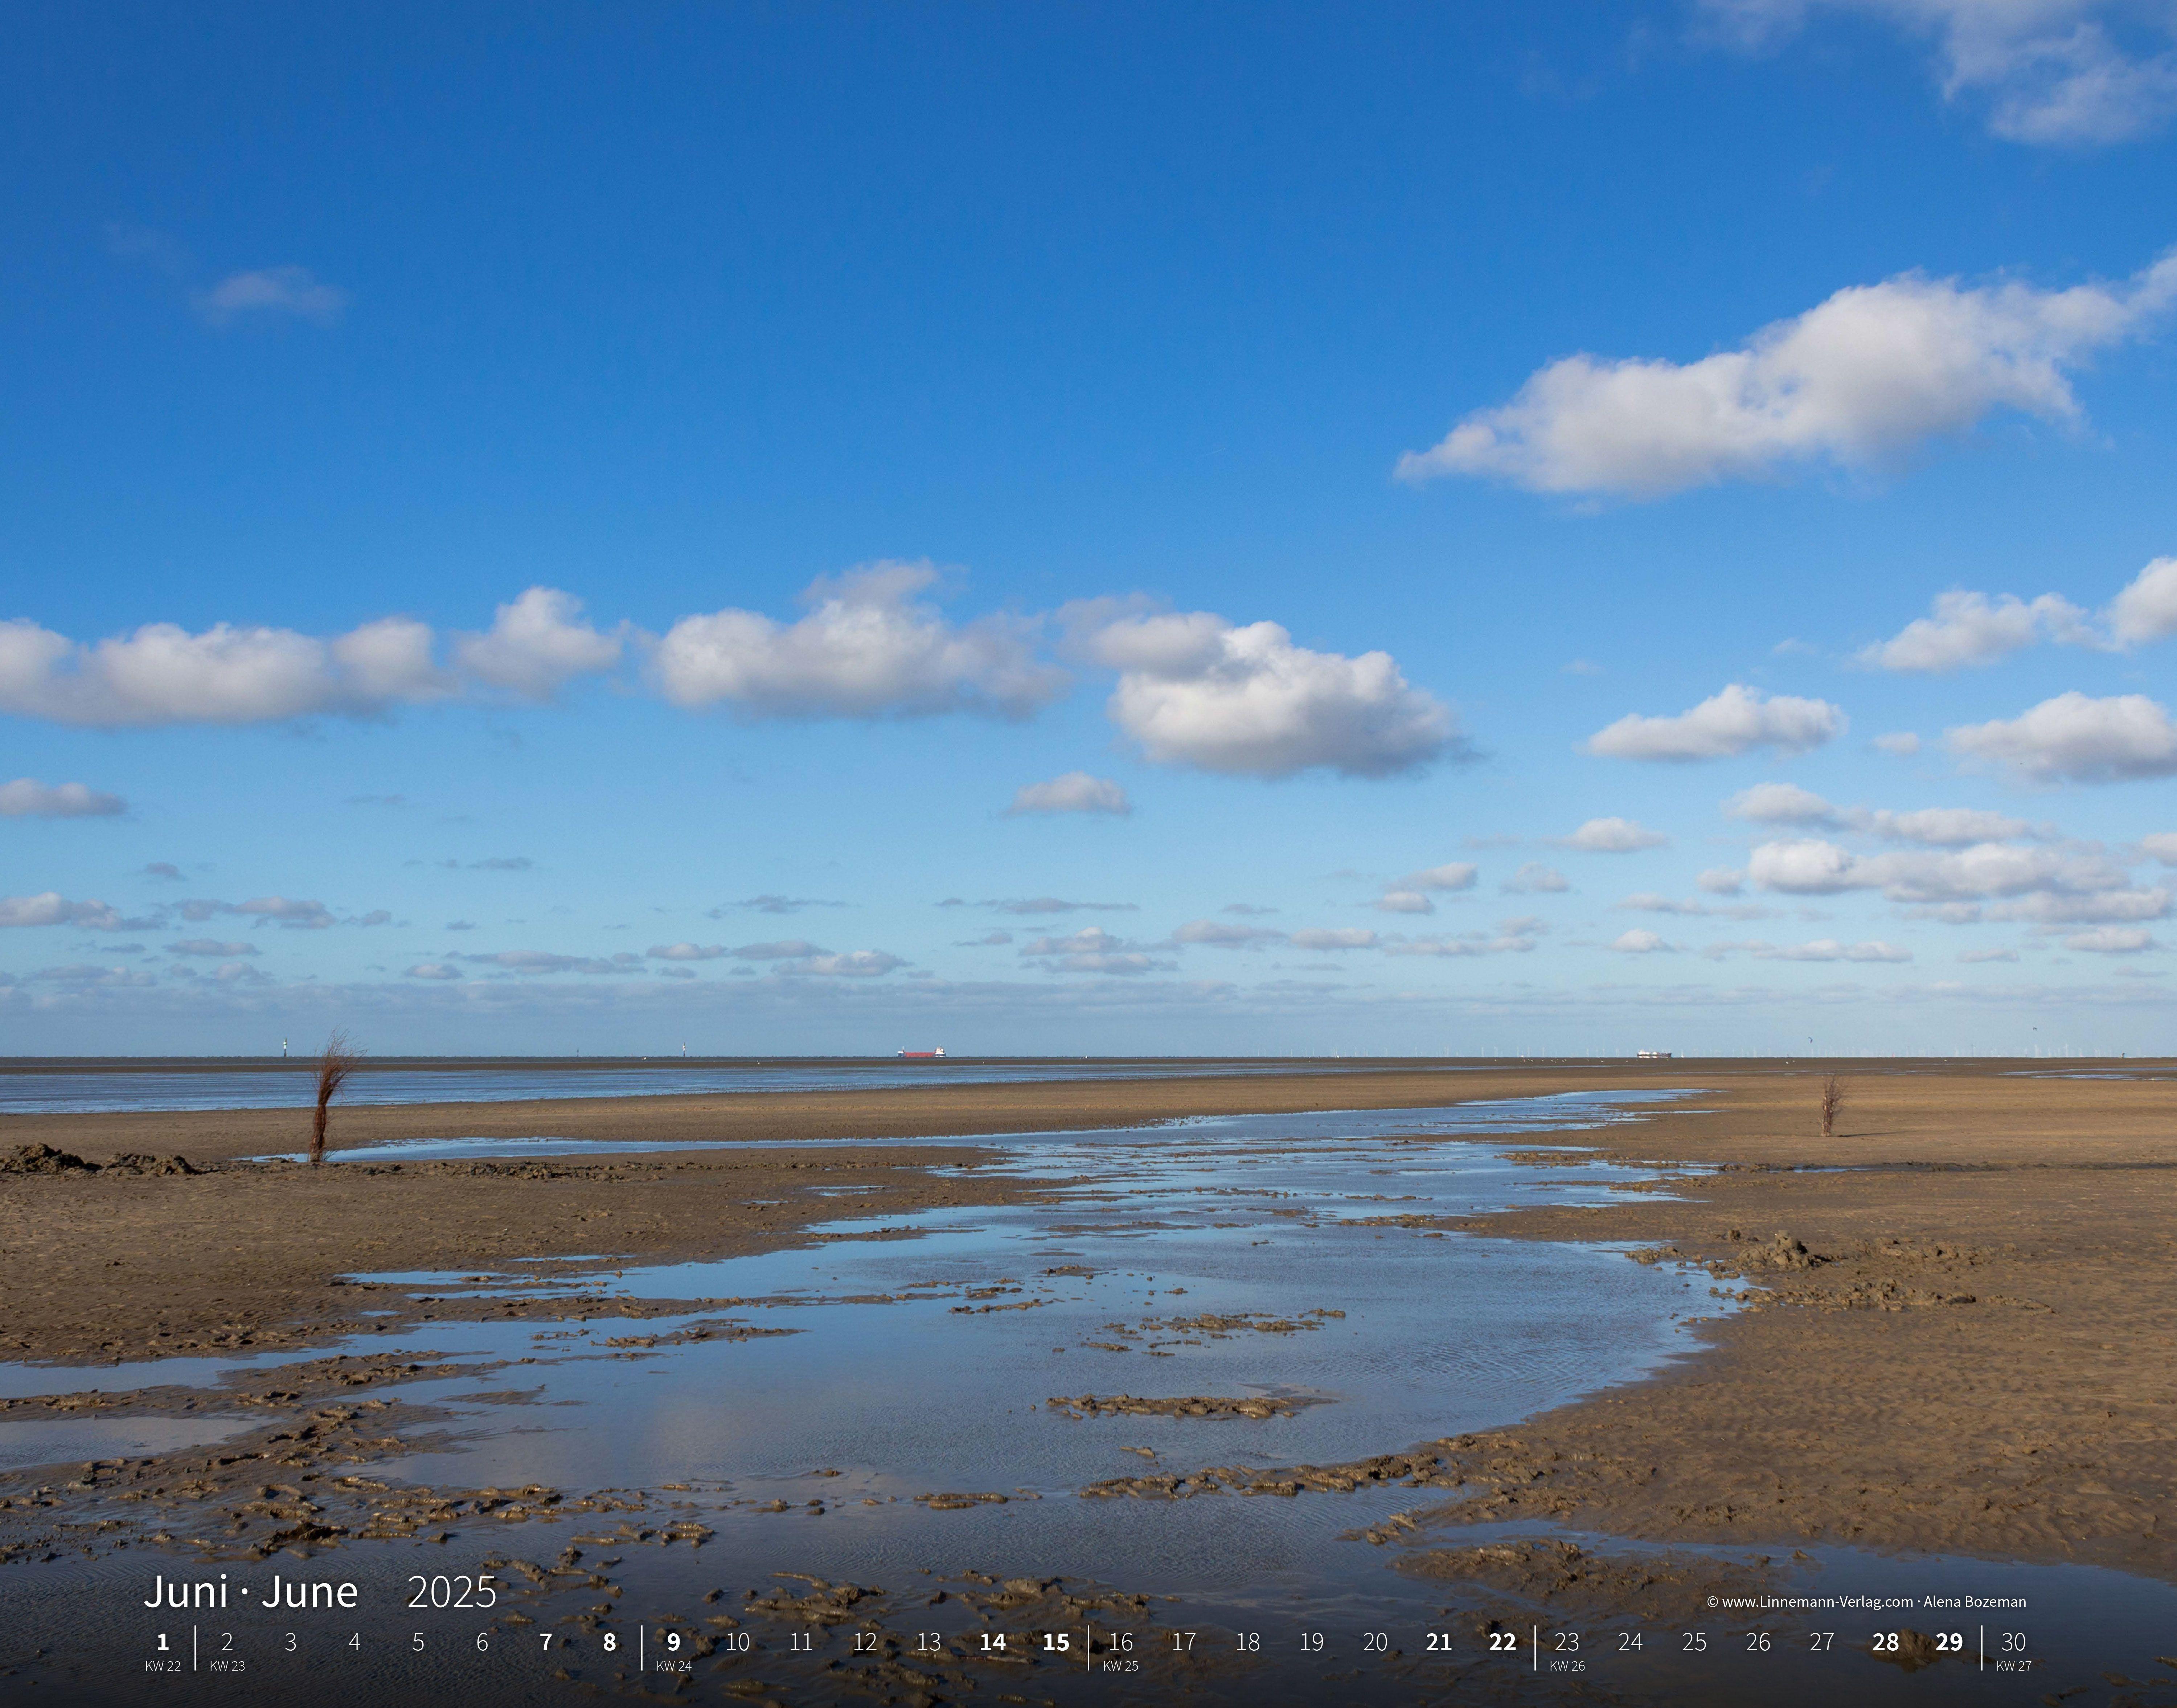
(1650, 902)
(2073, 74)
(432, 969)
(533, 962)
(1246, 909)
(84, 977)
(292, 292)
(28, 798)
(1515, 936)
(1453, 876)
(1340, 937)
(1975, 957)
(1935, 826)
(1030, 906)
(1612, 836)
(1535, 878)
(210, 947)
(52, 908)
(285, 911)
(1780, 803)
(1093, 950)
(772, 904)
(503, 863)
(1966, 628)
(1639, 942)
(1404, 902)
(855, 964)
(1583, 667)
(786, 949)
(989, 940)
(163, 869)
(1821, 949)
(1215, 934)
(686, 952)
(2113, 939)
(1722, 881)
(1737, 720)
(1900, 743)
(1960, 887)
(1076, 791)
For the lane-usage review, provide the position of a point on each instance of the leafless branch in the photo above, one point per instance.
(337, 1062)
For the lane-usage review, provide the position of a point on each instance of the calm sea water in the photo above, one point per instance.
(53, 1087)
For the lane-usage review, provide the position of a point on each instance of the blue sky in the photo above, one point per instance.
(528, 529)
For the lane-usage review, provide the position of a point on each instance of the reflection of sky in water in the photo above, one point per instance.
(72, 1440)
(108, 1089)
(1231, 1216)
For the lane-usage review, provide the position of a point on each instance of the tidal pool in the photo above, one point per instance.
(880, 1364)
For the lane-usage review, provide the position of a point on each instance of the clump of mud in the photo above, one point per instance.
(1193, 1405)
(43, 1158)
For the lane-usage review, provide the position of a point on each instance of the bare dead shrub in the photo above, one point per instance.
(1832, 1103)
(337, 1060)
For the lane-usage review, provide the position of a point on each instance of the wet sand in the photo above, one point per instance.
(1961, 1342)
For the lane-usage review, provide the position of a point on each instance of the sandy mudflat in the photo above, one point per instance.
(1963, 1340)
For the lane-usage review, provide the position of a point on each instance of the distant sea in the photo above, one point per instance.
(31, 1086)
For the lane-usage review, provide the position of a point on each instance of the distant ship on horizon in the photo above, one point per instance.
(921, 1055)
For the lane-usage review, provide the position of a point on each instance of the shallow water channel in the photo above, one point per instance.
(887, 1422)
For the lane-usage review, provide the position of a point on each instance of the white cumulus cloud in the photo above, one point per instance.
(869, 646)
(1076, 791)
(2147, 608)
(1969, 629)
(1613, 835)
(2050, 886)
(2112, 940)
(28, 798)
(1858, 380)
(52, 909)
(1534, 877)
(1780, 803)
(1638, 943)
(1737, 720)
(2075, 738)
(163, 674)
(1243, 700)
(536, 645)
